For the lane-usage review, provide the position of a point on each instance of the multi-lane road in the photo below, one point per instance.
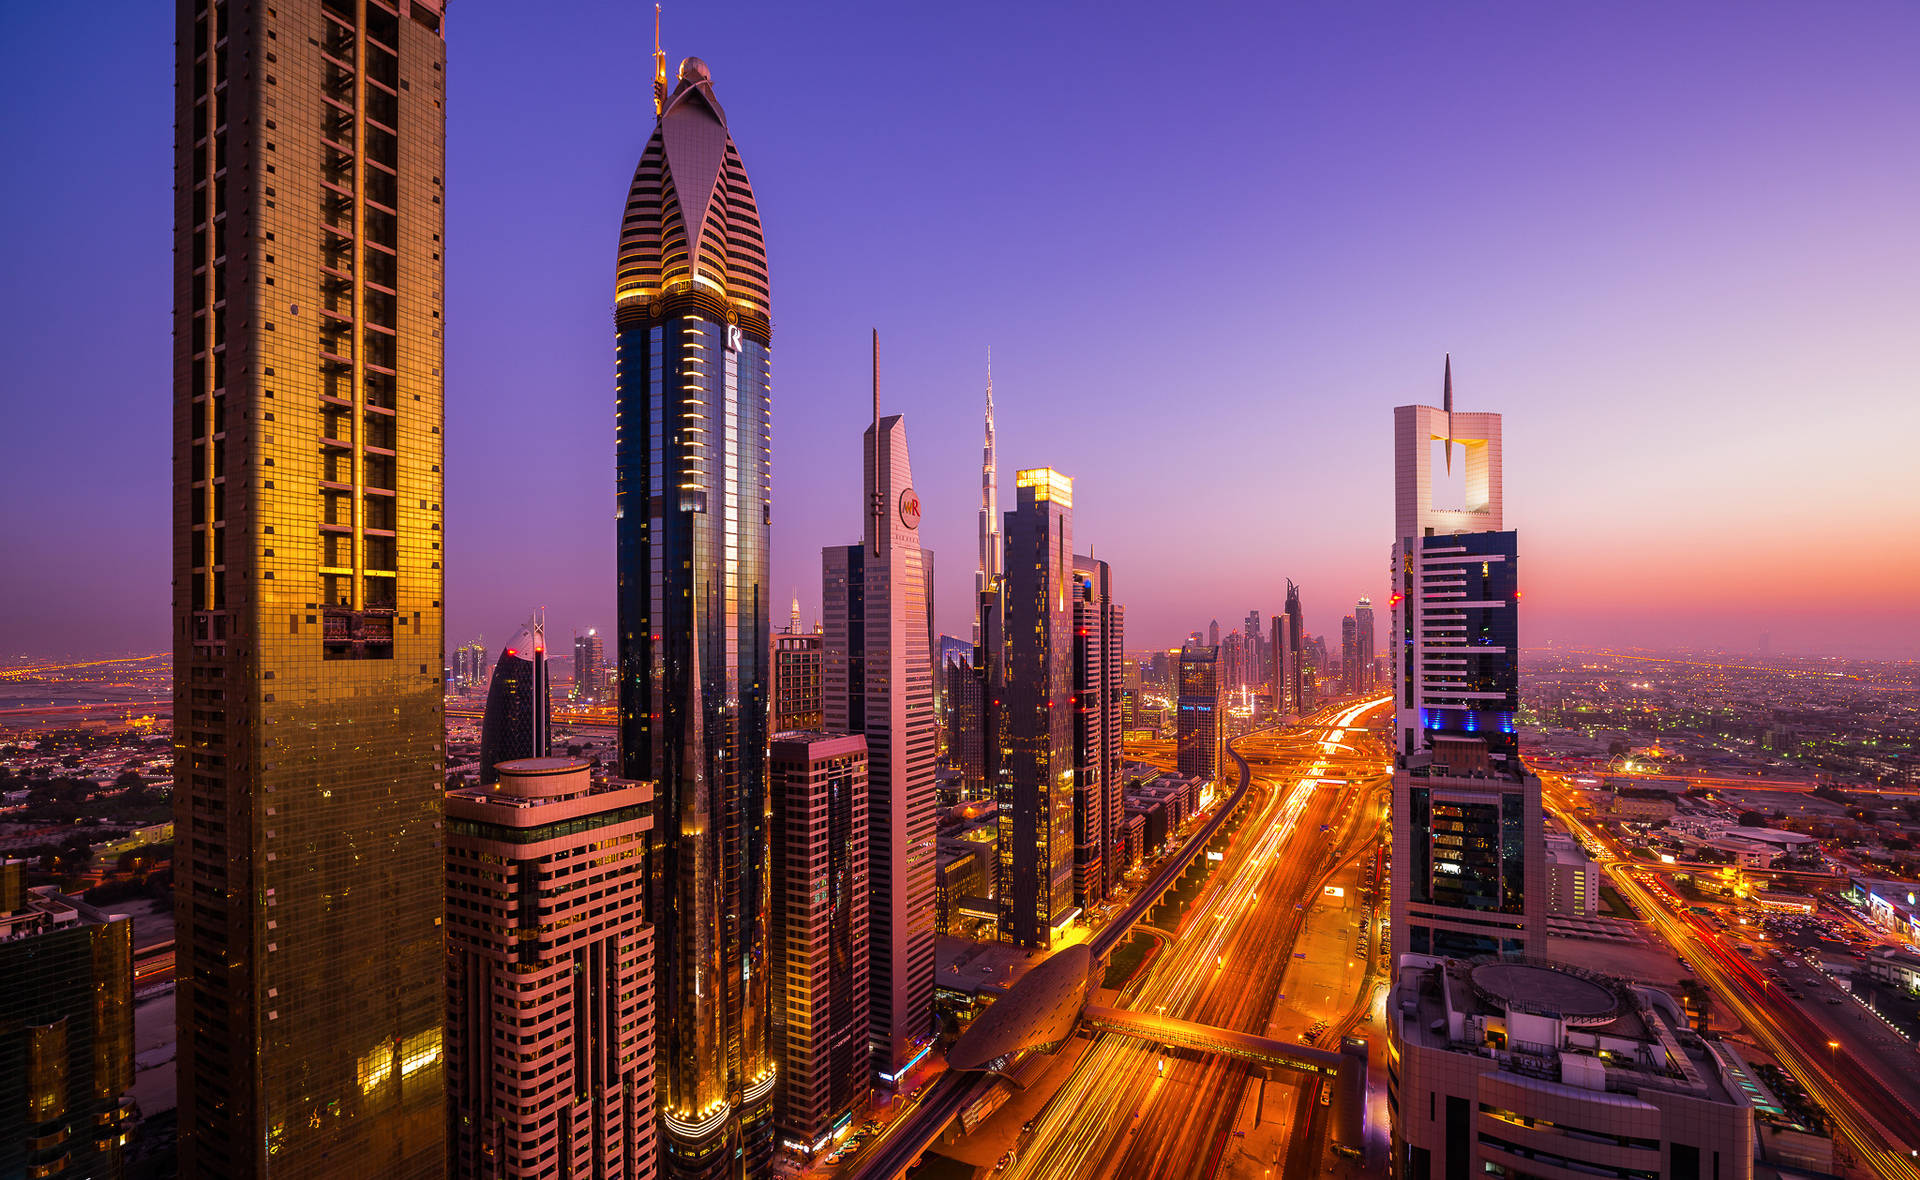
(1825, 1055)
(1133, 1109)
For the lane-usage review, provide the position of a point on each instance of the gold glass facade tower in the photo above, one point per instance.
(308, 723)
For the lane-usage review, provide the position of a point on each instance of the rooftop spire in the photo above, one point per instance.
(1447, 404)
(988, 571)
(878, 507)
(659, 67)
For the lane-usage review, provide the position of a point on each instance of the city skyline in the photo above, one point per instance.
(861, 900)
(1610, 236)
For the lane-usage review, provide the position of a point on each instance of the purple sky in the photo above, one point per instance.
(1211, 247)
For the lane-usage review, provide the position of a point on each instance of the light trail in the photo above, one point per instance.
(1097, 1115)
(1869, 1139)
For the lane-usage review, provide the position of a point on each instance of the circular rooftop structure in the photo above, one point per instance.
(1560, 992)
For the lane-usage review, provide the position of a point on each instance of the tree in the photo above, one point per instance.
(1752, 819)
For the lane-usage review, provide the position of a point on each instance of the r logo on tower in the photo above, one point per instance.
(910, 509)
(733, 337)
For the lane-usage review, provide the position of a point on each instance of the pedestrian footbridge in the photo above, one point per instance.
(1264, 1052)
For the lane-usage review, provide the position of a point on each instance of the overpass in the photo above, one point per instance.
(1269, 1055)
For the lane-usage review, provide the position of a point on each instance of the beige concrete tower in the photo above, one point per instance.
(307, 452)
(1469, 857)
(877, 680)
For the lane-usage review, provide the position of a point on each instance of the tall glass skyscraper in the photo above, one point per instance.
(694, 501)
(309, 731)
(1030, 678)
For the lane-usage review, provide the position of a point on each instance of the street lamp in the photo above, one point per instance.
(1831, 1047)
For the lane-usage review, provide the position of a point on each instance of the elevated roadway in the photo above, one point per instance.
(901, 1144)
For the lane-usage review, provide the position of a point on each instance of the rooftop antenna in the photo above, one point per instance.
(659, 68)
(879, 508)
(1447, 401)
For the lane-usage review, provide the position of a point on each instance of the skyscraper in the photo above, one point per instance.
(1253, 660)
(589, 667)
(988, 571)
(1469, 857)
(550, 960)
(966, 722)
(1369, 650)
(518, 722)
(1349, 656)
(797, 698)
(470, 665)
(1285, 671)
(66, 1033)
(694, 499)
(1031, 674)
(1098, 657)
(819, 933)
(1213, 633)
(877, 680)
(307, 451)
(1296, 642)
(1198, 733)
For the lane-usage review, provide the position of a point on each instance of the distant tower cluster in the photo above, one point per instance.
(470, 666)
(1469, 858)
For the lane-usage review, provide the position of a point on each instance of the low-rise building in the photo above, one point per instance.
(1642, 805)
(1573, 880)
(1518, 1068)
(1897, 968)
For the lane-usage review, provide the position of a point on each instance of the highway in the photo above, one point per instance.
(1133, 1109)
(911, 1133)
(1879, 1128)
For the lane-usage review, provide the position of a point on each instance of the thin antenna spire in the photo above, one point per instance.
(659, 67)
(1447, 401)
(878, 507)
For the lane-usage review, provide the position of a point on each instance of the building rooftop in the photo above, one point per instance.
(1557, 1024)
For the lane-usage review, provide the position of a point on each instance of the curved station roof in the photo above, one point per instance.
(1038, 1013)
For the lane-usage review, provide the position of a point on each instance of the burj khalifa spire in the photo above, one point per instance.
(988, 571)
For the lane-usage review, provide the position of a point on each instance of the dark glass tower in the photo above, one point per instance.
(1032, 676)
(694, 496)
(1295, 637)
(518, 722)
